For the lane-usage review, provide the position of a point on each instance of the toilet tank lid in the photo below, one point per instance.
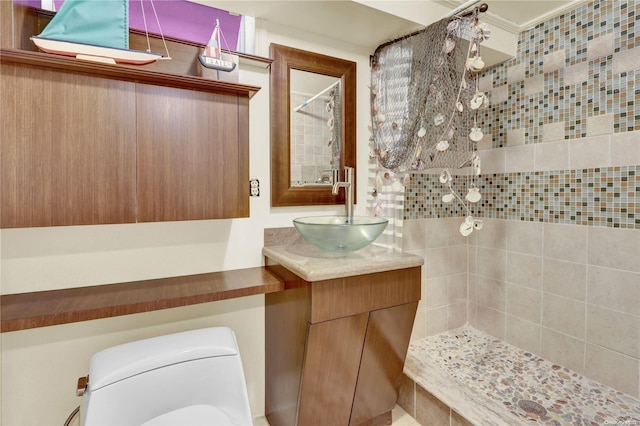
(120, 362)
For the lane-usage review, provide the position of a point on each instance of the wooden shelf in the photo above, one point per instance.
(124, 72)
(44, 308)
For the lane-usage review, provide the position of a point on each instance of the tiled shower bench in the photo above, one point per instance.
(465, 376)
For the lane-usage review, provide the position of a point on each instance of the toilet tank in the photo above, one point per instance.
(133, 383)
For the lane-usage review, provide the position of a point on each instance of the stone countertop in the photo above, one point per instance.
(312, 264)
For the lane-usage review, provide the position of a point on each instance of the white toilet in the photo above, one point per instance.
(189, 378)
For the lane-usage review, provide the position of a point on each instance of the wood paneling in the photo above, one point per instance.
(286, 318)
(385, 349)
(45, 308)
(352, 295)
(68, 148)
(358, 334)
(330, 370)
(192, 155)
(82, 149)
(6, 24)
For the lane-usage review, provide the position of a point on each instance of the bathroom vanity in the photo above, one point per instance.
(337, 336)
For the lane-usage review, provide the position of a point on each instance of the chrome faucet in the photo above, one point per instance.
(348, 189)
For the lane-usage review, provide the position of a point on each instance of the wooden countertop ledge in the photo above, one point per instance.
(44, 308)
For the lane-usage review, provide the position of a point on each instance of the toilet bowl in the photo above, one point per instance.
(188, 378)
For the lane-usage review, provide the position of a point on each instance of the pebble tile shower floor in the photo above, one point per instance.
(531, 389)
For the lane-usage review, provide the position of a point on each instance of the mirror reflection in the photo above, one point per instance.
(297, 77)
(315, 128)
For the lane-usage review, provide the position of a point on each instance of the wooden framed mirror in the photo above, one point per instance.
(284, 190)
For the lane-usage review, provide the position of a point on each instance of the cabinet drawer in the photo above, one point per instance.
(342, 297)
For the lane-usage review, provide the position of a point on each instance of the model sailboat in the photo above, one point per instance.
(211, 57)
(92, 30)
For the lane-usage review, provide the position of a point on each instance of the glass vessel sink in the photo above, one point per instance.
(334, 233)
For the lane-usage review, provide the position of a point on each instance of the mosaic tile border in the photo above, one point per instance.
(607, 197)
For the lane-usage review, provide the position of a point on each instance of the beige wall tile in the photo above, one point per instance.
(492, 263)
(499, 94)
(614, 248)
(534, 85)
(593, 151)
(600, 47)
(485, 83)
(614, 369)
(493, 234)
(553, 132)
(564, 315)
(515, 137)
(456, 315)
(429, 409)
(437, 234)
(490, 321)
(471, 259)
(492, 160)
(436, 320)
(519, 158)
(524, 237)
(414, 234)
(598, 125)
(614, 289)
(523, 334)
(524, 303)
(554, 61)
(565, 242)
(576, 74)
(626, 60)
(491, 293)
(566, 279)
(406, 395)
(551, 156)
(524, 270)
(485, 143)
(625, 148)
(472, 314)
(457, 288)
(455, 238)
(614, 330)
(562, 349)
(445, 261)
(515, 73)
(419, 330)
(435, 292)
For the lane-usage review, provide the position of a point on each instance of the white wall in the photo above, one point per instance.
(40, 366)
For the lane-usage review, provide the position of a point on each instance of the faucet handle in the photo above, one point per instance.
(348, 174)
(336, 175)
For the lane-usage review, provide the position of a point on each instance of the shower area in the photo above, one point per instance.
(535, 317)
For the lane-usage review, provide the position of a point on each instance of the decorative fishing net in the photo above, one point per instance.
(424, 96)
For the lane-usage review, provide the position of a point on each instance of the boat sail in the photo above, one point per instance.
(92, 30)
(211, 56)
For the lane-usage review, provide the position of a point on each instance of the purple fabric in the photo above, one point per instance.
(179, 18)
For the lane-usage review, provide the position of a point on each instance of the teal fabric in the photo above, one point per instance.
(97, 22)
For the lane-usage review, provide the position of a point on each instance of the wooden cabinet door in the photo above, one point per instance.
(385, 349)
(330, 370)
(68, 149)
(193, 154)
